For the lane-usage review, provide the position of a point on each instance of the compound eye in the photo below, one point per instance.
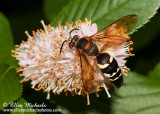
(73, 41)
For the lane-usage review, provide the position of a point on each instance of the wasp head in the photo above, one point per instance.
(73, 41)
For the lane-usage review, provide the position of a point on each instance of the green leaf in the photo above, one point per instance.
(25, 109)
(10, 87)
(155, 74)
(53, 7)
(139, 95)
(63, 110)
(6, 42)
(105, 12)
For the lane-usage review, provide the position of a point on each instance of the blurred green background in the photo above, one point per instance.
(27, 14)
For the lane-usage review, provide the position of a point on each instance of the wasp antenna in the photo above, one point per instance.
(62, 46)
(88, 101)
(106, 90)
(73, 30)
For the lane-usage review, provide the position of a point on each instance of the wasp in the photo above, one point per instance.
(87, 47)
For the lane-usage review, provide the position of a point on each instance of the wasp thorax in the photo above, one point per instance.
(74, 41)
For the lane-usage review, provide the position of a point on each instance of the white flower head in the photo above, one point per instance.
(40, 60)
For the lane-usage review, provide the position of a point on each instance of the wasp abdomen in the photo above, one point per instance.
(88, 47)
(109, 67)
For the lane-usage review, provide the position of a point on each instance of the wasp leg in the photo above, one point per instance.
(104, 47)
(77, 55)
(106, 90)
(88, 101)
(97, 94)
(94, 64)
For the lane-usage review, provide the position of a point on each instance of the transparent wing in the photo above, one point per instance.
(90, 78)
(117, 32)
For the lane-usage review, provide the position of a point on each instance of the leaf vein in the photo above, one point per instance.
(5, 73)
(95, 9)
